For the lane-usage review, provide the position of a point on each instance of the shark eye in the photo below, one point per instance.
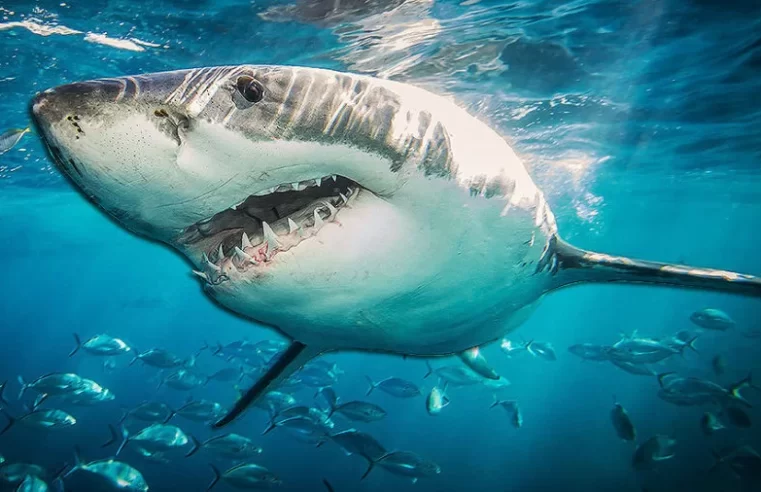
(250, 89)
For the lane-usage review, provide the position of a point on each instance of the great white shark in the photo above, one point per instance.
(347, 211)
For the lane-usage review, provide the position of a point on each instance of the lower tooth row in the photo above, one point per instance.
(247, 253)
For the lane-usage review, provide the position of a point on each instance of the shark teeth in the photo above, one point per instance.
(257, 241)
(270, 238)
(243, 257)
(295, 186)
(318, 222)
(245, 242)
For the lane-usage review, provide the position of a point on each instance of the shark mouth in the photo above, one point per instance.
(246, 237)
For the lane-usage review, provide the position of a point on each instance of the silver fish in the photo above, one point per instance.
(405, 463)
(437, 400)
(101, 344)
(245, 476)
(10, 138)
(120, 475)
(622, 423)
(400, 388)
(353, 441)
(543, 350)
(43, 419)
(230, 445)
(657, 448)
(712, 319)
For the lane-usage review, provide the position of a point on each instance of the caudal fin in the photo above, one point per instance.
(372, 385)
(216, 478)
(571, 265)
(11, 421)
(370, 466)
(430, 369)
(2, 393)
(734, 390)
(327, 485)
(78, 346)
(292, 359)
(195, 448)
(23, 388)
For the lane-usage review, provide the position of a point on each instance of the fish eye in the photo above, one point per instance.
(250, 89)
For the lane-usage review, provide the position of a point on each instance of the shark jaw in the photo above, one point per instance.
(244, 240)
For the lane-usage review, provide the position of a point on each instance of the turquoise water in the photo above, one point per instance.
(639, 120)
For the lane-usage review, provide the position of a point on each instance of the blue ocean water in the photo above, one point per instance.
(640, 120)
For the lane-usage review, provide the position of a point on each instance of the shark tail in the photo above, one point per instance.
(292, 359)
(571, 265)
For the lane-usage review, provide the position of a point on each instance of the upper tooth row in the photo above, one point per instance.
(297, 186)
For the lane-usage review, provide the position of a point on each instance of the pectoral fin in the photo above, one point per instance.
(294, 357)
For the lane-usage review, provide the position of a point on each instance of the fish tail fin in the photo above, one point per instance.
(196, 446)
(171, 415)
(3, 400)
(125, 414)
(78, 345)
(691, 345)
(114, 437)
(77, 462)
(527, 347)
(205, 346)
(494, 400)
(292, 359)
(370, 466)
(217, 477)
(327, 485)
(39, 400)
(734, 390)
(372, 385)
(662, 377)
(134, 357)
(571, 265)
(430, 369)
(23, 388)
(717, 461)
(58, 475)
(125, 438)
(270, 427)
(11, 421)
(319, 443)
(217, 349)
